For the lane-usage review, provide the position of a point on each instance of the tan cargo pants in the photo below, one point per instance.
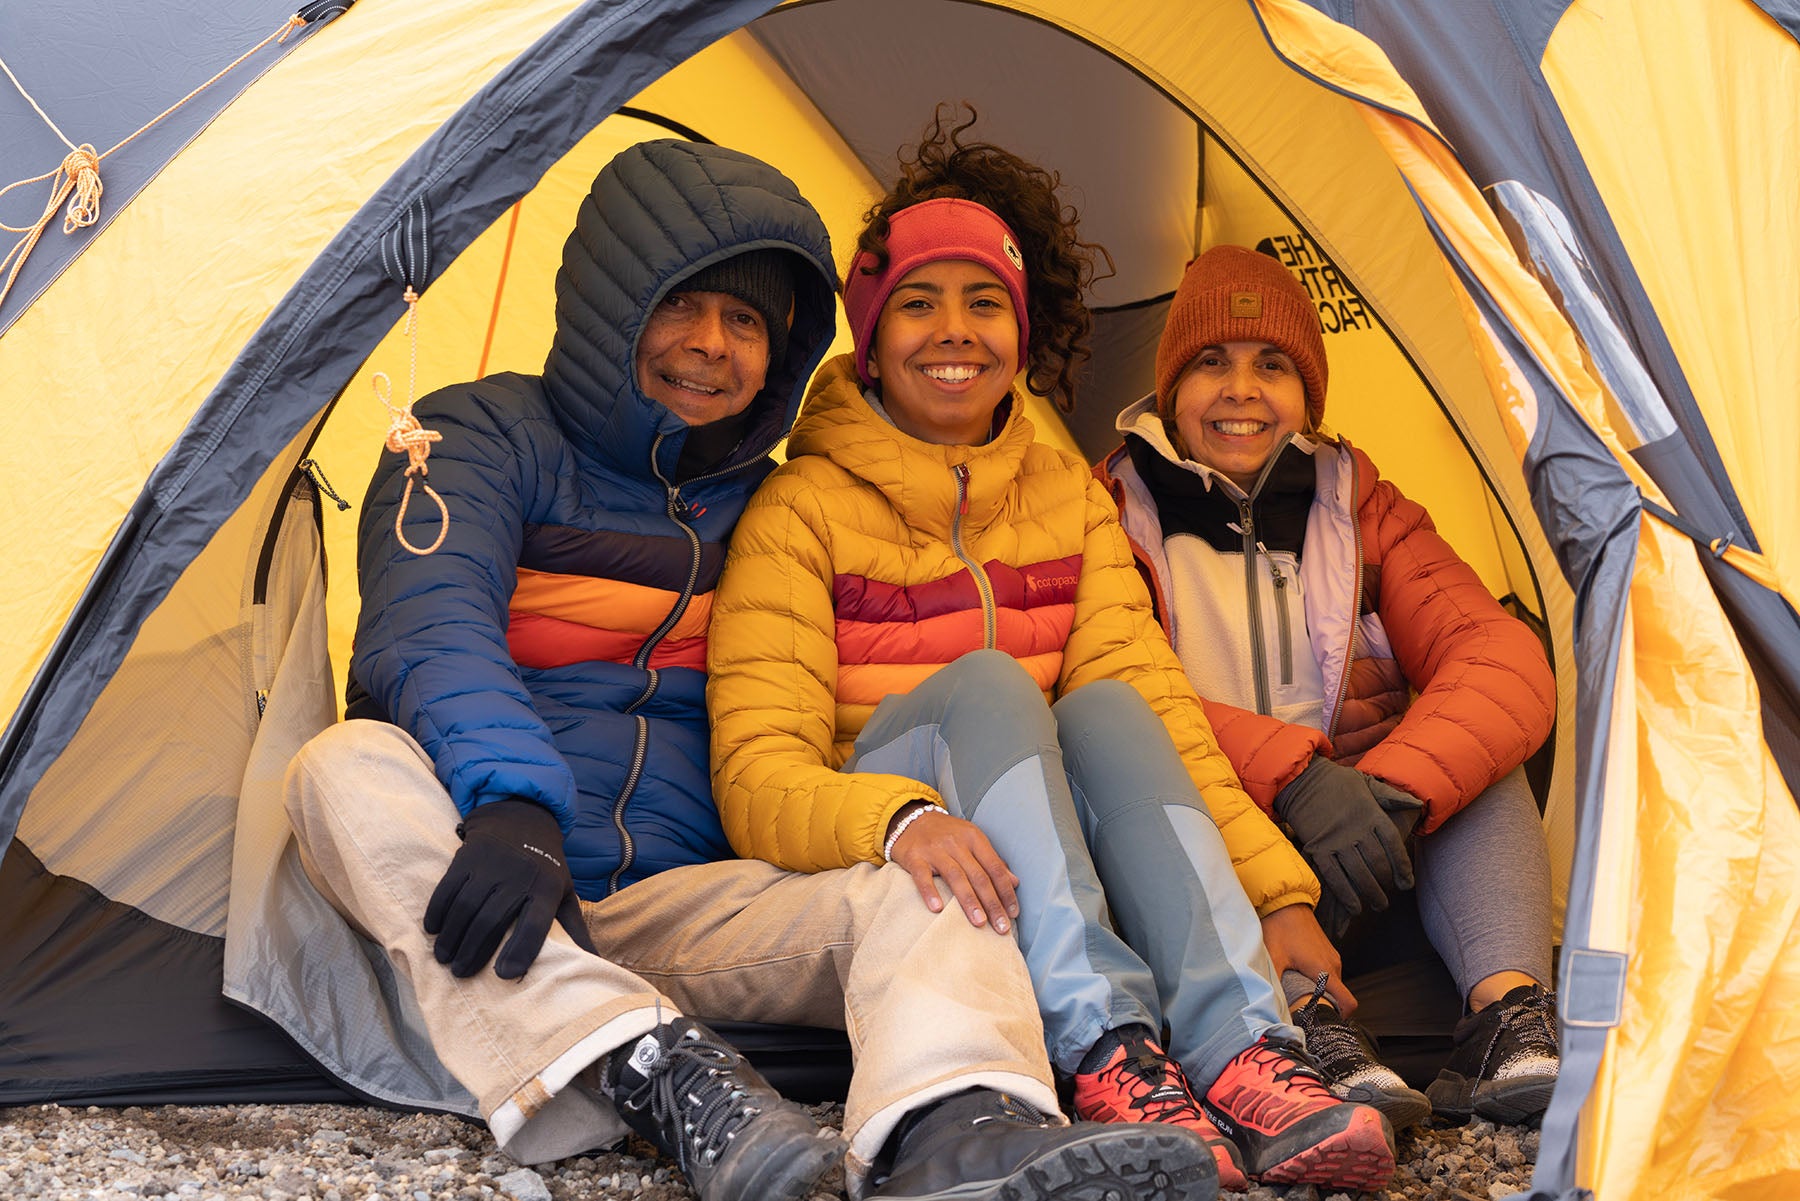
(931, 1004)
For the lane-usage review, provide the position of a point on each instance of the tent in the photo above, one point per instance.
(1550, 243)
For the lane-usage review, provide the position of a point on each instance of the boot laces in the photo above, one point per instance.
(1298, 1071)
(1013, 1109)
(1155, 1086)
(1327, 1042)
(1533, 1021)
(692, 1087)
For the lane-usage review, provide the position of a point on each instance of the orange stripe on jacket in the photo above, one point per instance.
(556, 620)
(536, 641)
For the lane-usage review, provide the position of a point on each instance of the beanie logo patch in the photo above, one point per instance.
(1245, 304)
(1012, 252)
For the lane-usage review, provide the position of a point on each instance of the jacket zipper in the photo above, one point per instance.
(678, 512)
(1284, 630)
(1253, 595)
(627, 848)
(1247, 527)
(1356, 599)
(982, 584)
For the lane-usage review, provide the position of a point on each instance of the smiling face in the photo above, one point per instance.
(946, 350)
(1234, 403)
(703, 355)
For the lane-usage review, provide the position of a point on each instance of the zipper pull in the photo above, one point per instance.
(317, 474)
(962, 488)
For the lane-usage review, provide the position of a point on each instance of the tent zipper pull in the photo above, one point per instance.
(317, 475)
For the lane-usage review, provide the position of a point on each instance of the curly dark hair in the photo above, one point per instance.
(1059, 267)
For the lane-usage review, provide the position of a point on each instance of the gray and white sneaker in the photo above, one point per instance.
(1347, 1057)
(1505, 1063)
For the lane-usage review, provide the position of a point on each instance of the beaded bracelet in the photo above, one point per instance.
(887, 848)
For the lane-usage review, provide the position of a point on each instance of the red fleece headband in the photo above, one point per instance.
(930, 232)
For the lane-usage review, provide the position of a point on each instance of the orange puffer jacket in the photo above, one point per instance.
(1460, 694)
(869, 560)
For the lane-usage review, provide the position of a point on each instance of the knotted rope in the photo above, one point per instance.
(77, 178)
(406, 436)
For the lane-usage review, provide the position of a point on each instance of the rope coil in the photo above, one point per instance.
(406, 436)
(77, 178)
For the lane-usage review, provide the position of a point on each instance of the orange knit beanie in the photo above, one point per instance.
(1234, 294)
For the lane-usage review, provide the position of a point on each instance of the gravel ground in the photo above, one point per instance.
(339, 1153)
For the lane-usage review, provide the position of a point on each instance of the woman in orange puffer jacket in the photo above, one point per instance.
(1370, 691)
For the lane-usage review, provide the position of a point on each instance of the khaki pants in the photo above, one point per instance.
(931, 1004)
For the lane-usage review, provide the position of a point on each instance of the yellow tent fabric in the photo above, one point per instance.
(1695, 1098)
(1697, 849)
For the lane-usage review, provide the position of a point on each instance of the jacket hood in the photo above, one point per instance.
(658, 212)
(918, 478)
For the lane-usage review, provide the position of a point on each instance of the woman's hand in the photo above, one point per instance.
(1295, 941)
(941, 844)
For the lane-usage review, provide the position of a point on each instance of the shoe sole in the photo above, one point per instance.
(1360, 1156)
(1109, 1164)
(1402, 1107)
(1513, 1102)
(1506, 1102)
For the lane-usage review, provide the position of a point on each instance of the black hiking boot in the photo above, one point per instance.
(983, 1145)
(1505, 1063)
(702, 1104)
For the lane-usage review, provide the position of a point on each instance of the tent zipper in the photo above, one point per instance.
(983, 585)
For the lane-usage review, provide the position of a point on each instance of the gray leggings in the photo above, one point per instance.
(1130, 910)
(1483, 879)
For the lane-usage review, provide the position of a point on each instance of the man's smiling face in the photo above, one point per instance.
(703, 355)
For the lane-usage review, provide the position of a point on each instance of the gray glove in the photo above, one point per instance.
(1353, 829)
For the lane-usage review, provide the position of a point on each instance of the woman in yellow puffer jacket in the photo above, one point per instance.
(930, 647)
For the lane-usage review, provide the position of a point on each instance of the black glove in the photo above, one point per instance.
(1353, 829)
(509, 871)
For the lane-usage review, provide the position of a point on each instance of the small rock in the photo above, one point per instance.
(523, 1184)
(327, 1135)
(444, 1154)
(126, 1153)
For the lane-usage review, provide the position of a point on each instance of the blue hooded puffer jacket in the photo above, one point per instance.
(564, 480)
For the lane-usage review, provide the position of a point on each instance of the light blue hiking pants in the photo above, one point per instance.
(1129, 909)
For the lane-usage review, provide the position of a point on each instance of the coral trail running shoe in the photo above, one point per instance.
(1273, 1103)
(1138, 1082)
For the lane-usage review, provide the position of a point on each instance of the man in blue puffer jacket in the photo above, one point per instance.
(541, 677)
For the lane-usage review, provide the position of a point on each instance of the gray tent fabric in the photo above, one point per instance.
(152, 56)
(1590, 510)
(1785, 13)
(1476, 67)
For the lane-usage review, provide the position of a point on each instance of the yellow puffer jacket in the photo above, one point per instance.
(869, 560)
